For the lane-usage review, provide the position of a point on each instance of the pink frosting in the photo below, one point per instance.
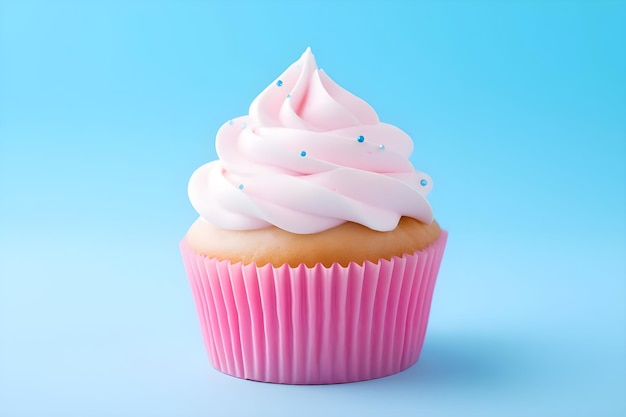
(308, 157)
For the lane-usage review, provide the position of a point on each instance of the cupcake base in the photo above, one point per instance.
(319, 325)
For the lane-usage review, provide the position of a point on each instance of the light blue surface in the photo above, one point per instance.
(518, 111)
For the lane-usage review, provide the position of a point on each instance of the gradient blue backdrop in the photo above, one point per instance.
(518, 111)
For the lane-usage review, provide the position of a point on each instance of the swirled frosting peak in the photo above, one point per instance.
(309, 156)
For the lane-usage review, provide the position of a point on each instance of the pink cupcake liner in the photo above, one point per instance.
(314, 325)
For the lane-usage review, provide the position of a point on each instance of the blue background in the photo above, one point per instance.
(518, 112)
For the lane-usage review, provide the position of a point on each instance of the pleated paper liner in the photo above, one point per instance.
(314, 325)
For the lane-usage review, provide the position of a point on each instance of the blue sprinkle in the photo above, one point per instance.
(381, 147)
(241, 186)
(303, 153)
(424, 183)
(288, 95)
(279, 83)
(360, 139)
(244, 125)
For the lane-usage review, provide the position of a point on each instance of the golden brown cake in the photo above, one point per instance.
(349, 242)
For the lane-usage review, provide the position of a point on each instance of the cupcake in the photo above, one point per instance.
(315, 254)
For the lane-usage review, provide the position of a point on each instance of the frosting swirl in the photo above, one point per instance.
(308, 157)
